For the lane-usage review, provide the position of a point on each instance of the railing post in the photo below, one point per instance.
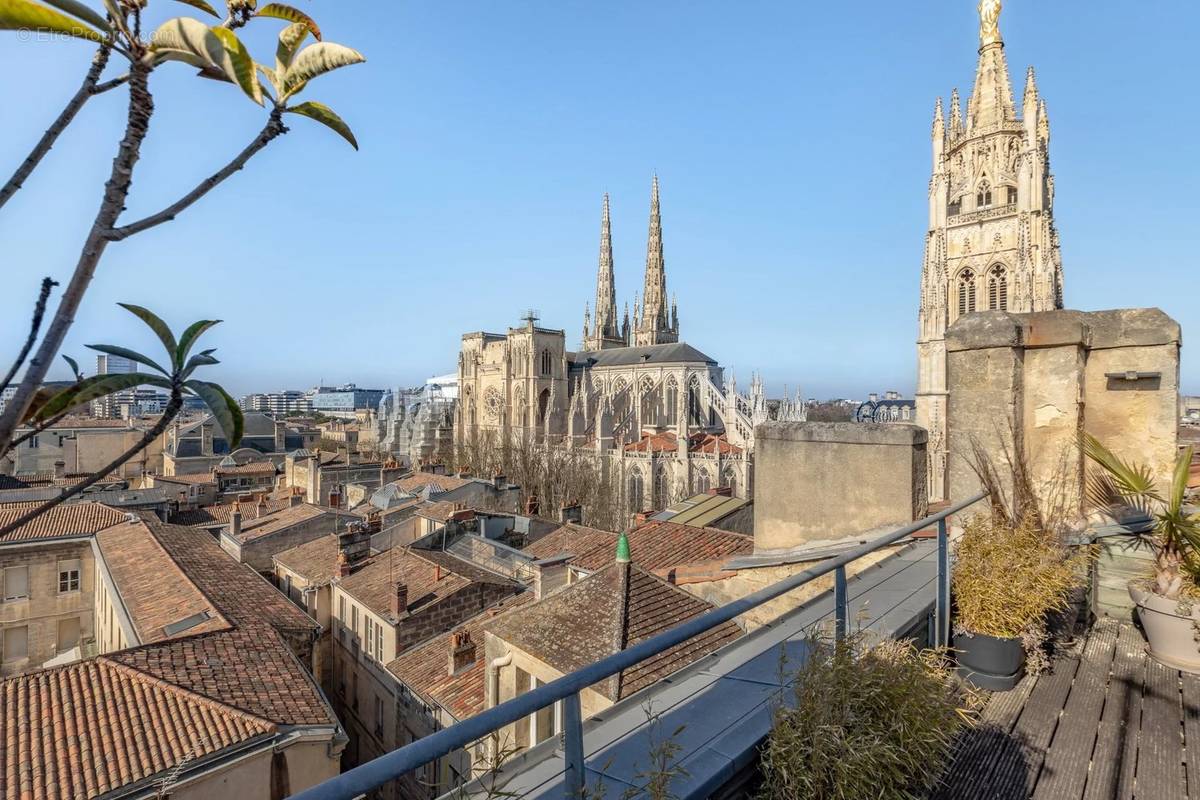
(573, 747)
(840, 609)
(942, 615)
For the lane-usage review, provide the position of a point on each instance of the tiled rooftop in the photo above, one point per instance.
(441, 483)
(425, 668)
(430, 575)
(605, 613)
(251, 468)
(655, 545)
(220, 513)
(315, 561)
(286, 517)
(76, 519)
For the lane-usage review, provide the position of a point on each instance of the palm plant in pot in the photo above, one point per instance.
(1168, 602)
(1008, 576)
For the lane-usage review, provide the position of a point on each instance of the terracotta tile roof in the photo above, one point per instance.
(654, 443)
(419, 480)
(220, 513)
(712, 443)
(72, 423)
(667, 442)
(94, 726)
(75, 519)
(425, 668)
(607, 612)
(202, 477)
(250, 468)
(439, 511)
(315, 561)
(655, 545)
(153, 589)
(283, 519)
(431, 575)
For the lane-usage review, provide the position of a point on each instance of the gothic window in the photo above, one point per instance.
(649, 415)
(637, 492)
(1012, 195)
(702, 482)
(966, 292)
(729, 480)
(695, 415)
(543, 405)
(546, 362)
(983, 198)
(955, 207)
(662, 497)
(672, 399)
(998, 289)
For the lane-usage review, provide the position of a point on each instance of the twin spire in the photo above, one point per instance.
(653, 321)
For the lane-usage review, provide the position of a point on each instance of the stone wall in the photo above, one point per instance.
(824, 481)
(1031, 383)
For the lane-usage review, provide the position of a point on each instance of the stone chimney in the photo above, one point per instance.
(499, 482)
(398, 600)
(235, 522)
(60, 469)
(873, 397)
(280, 433)
(297, 496)
(571, 513)
(550, 574)
(354, 545)
(206, 439)
(462, 651)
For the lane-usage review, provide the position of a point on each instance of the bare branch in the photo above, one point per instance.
(270, 131)
(34, 431)
(101, 88)
(39, 311)
(148, 437)
(116, 190)
(99, 61)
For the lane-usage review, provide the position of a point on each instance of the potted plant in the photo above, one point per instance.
(1166, 601)
(1008, 576)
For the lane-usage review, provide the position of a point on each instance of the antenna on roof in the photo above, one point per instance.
(531, 316)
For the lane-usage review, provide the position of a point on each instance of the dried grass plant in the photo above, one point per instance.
(868, 723)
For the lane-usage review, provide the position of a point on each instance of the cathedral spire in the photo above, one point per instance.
(991, 103)
(606, 293)
(956, 123)
(939, 121)
(654, 325)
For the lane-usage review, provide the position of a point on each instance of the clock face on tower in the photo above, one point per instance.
(493, 403)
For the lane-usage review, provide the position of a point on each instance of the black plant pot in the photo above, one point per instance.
(990, 663)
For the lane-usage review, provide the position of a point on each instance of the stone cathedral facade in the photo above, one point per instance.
(991, 243)
(660, 415)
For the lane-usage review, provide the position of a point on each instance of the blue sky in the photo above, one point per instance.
(791, 139)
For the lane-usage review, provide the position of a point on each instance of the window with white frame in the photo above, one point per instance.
(16, 643)
(16, 583)
(68, 576)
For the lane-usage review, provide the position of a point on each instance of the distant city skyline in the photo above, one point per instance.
(791, 141)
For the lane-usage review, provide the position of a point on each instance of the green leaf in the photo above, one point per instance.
(223, 407)
(281, 11)
(160, 328)
(290, 39)
(239, 63)
(189, 337)
(74, 367)
(324, 115)
(198, 360)
(125, 352)
(23, 15)
(188, 40)
(269, 74)
(83, 12)
(203, 6)
(318, 59)
(95, 387)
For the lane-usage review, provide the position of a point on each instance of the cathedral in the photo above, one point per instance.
(659, 414)
(991, 243)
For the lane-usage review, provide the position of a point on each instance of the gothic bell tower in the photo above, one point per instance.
(991, 243)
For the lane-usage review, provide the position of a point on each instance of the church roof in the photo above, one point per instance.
(674, 353)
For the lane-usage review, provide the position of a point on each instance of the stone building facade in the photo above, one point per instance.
(659, 414)
(992, 243)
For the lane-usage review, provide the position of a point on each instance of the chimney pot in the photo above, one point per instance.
(462, 651)
(398, 604)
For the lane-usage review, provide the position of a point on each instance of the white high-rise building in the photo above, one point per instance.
(110, 407)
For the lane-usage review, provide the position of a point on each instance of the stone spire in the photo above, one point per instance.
(956, 122)
(606, 292)
(654, 325)
(991, 103)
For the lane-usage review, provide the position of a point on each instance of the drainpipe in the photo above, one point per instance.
(494, 680)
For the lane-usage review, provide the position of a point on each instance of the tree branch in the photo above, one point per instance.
(270, 131)
(101, 88)
(34, 431)
(99, 61)
(169, 414)
(141, 108)
(39, 311)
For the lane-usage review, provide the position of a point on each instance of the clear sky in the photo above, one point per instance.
(791, 139)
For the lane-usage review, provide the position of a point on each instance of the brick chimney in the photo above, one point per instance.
(60, 469)
(550, 574)
(571, 513)
(462, 651)
(235, 522)
(437, 572)
(499, 482)
(398, 600)
(297, 496)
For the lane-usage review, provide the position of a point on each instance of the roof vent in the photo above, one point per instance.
(176, 628)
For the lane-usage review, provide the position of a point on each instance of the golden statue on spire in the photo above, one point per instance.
(989, 22)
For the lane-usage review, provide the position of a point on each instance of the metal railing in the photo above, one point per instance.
(566, 689)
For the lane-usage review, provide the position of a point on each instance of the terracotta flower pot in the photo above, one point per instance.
(988, 662)
(1170, 634)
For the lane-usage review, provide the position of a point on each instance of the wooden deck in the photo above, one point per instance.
(1106, 723)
